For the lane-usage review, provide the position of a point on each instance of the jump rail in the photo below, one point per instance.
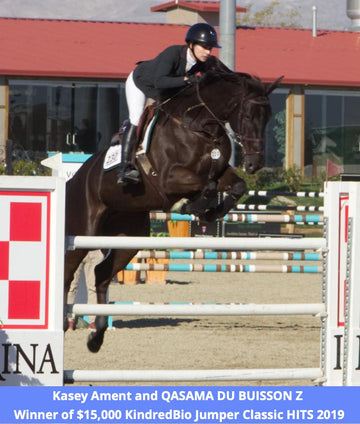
(201, 254)
(299, 208)
(240, 217)
(174, 267)
(269, 193)
(217, 243)
(103, 376)
(194, 309)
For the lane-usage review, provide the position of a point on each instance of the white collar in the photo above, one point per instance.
(190, 62)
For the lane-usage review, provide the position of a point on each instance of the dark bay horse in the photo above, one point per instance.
(187, 159)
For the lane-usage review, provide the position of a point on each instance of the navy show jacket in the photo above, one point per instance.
(163, 76)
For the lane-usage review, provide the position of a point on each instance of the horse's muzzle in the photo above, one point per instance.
(253, 163)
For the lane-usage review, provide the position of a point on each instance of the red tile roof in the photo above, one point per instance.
(76, 49)
(200, 6)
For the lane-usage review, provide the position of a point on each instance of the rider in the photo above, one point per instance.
(159, 78)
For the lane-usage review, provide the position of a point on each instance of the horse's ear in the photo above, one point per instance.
(271, 87)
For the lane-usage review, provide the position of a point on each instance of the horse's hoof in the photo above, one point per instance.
(95, 341)
(179, 205)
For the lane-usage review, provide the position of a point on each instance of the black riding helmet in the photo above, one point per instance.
(202, 33)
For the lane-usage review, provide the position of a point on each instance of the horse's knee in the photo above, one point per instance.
(235, 187)
(238, 189)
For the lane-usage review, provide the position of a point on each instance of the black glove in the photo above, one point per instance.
(193, 79)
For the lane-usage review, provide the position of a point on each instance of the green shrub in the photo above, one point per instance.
(293, 178)
(26, 167)
(269, 178)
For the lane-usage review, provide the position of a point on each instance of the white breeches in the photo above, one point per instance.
(135, 99)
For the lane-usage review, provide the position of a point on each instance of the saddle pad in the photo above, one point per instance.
(145, 144)
(112, 157)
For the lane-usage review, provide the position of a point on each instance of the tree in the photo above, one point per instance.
(270, 16)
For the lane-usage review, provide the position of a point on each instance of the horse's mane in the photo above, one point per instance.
(213, 75)
(215, 70)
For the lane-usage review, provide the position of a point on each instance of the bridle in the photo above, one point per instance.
(244, 141)
(240, 139)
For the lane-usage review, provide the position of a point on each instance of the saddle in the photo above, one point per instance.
(142, 160)
(146, 118)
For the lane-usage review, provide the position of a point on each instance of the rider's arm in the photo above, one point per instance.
(168, 72)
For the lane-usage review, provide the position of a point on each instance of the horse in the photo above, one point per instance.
(184, 169)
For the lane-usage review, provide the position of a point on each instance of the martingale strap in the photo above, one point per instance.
(153, 178)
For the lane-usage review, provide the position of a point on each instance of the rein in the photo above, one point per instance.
(239, 138)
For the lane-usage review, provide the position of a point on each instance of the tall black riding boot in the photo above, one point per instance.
(128, 173)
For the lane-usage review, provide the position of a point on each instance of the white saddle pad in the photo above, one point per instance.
(112, 157)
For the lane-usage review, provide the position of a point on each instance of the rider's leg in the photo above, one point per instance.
(128, 171)
(136, 102)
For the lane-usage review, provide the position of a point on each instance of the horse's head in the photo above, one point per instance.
(223, 96)
(249, 119)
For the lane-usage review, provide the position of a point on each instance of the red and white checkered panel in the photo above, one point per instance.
(24, 259)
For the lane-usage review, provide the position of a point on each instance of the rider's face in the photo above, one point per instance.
(202, 52)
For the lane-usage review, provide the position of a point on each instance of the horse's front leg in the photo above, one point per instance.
(234, 187)
(202, 202)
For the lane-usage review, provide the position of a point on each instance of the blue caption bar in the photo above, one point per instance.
(179, 405)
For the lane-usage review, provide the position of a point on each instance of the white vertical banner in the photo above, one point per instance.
(31, 280)
(351, 363)
(332, 348)
(343, 245)
(341, 354)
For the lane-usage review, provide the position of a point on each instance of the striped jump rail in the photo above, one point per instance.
(298, 208)
(269, 193)
(239, 217)
(290, 269)
(200, 254)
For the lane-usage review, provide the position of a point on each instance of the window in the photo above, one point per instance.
(63, 116)
(332, 132)
(275, 130)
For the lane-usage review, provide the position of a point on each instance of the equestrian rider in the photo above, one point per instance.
(161, 78)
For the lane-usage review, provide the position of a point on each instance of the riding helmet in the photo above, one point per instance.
(202, 33)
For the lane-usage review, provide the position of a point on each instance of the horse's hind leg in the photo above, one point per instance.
(114, 261)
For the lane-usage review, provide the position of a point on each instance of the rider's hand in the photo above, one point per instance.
(192, 79)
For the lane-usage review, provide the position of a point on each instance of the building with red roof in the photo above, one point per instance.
(57, 74)
(192, 12)
(80, 49)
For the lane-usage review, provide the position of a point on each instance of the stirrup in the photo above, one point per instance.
(129, 174)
